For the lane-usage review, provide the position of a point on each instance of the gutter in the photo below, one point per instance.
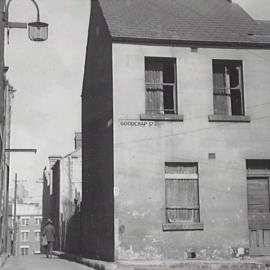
(194, 43)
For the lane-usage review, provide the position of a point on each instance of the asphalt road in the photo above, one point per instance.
(40, 262)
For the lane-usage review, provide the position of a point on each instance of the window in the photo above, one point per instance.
(25, 221)
(24, 236)
(228, 87)
(258, 202)
(37, 235)
(24, 250)
(37, 220)
(160, 82)
(182, 196)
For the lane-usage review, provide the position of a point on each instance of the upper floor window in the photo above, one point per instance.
(160, 84)
(37, 235)
(24, 236)
(228, 87)
(38, 220)
(25, 221)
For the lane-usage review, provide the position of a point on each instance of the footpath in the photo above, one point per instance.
(260, 263)
(3, 258)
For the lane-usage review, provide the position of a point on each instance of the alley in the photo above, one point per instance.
(41, 263)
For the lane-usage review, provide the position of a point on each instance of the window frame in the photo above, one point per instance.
(38, 221)
(162, 116)
(23, 223)
(37, 235)
(229, 117)
(24, 250)
(183, 225)
(26, 233)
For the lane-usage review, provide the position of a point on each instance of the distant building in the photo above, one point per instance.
(29, 220)
(175, 131)
(6, 97)
(22, 194)
(62, 197)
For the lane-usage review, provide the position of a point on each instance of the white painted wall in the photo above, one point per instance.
(140, 152)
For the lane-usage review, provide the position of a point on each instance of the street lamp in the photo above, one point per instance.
(37, 31)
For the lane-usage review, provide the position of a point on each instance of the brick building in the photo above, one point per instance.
(29, 219)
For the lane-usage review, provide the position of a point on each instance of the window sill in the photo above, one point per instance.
(228, 118)
(162, 117)
(182, 226)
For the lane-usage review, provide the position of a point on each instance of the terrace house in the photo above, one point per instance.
(175, 131)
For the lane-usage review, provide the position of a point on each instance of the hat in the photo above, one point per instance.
(49, 220)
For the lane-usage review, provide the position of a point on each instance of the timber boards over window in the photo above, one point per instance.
(228, 91)
(160, 83)
(182, 196)
(228, 87)
(258, 202)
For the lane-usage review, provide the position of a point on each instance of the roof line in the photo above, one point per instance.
(195, 43)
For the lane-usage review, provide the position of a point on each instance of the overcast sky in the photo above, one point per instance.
(258, 9)
(48, 79)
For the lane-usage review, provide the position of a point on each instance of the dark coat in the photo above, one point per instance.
(49, 231)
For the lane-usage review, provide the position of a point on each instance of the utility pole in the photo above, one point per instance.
(15, 196)
(15, 221)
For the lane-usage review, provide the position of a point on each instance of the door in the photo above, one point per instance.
(258, 215)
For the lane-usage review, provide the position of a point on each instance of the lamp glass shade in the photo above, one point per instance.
(38, 31)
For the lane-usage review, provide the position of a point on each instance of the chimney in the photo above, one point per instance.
(78, 140)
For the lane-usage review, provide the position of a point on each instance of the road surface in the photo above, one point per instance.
(40, 262)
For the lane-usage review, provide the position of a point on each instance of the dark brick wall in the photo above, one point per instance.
(97, 143)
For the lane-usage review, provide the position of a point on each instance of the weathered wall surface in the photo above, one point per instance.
(70, 199)
(140, 153)
(97, 143)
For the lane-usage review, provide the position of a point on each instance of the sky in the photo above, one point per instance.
(48, 78)
(258, 9)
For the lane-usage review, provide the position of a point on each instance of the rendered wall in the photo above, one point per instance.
(97, 143)
(141, 151)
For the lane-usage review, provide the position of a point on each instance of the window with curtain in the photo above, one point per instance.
(182, 192)
(228, 87)
(160, 83)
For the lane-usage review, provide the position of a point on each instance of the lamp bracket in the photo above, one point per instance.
(33, 1)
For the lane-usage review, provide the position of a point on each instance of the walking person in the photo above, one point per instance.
(49, 233)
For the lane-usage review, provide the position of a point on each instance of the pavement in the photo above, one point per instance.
(40, 262)
(64, 261)
(259, 263)
(3, 258)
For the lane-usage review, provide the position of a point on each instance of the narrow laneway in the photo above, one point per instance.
(41, 263)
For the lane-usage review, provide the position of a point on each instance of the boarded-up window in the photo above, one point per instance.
(258, 189)
(228, 87)
(258, 195)
(160, 83)
(258, 202)
(182, 192)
